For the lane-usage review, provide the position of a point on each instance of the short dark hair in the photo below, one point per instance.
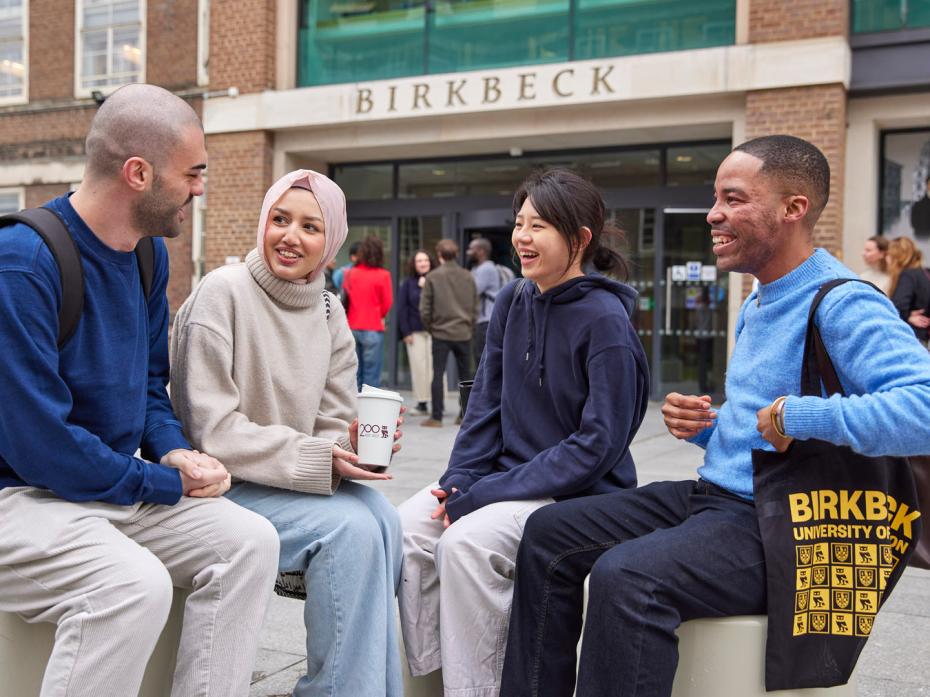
(799, 166)
(412, 264)
(447, 249)
(482, 243)
(569, 202)
(371, 252)
(353, 248)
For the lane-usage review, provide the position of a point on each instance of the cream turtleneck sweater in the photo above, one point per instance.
(258, 379)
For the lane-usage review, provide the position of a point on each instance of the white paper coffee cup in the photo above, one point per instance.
(377, 420)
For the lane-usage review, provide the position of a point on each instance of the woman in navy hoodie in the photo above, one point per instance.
(559, 394)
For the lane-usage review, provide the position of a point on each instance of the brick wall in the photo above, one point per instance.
(40, 193)
(240, 174)
(171, 44)
(788, 20)
(242, 44)
(51, 50)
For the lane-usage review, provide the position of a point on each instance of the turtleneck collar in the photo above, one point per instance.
(285, 292)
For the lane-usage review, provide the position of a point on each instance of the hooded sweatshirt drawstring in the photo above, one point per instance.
(546, 299)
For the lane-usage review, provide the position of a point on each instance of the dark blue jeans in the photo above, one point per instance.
(657, 556)
(369, 347)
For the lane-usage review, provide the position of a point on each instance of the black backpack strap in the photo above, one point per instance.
(51, 228)
(145, 258)
(817, 367)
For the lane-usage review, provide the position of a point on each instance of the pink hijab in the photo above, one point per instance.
(332, 201)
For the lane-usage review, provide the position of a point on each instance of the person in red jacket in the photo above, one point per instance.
(368, 286)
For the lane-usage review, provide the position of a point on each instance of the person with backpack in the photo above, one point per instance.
(263, 375)
(93, 536)
(559, 394)
(489, 279)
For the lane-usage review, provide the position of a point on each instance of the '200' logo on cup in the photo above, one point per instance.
(372, 431)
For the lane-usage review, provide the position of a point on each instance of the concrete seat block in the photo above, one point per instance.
(25, 648)
(726, 658)
(716, 658)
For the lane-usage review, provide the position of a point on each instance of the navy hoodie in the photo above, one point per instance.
(560, 392)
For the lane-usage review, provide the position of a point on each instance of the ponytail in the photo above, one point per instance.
(605, 257)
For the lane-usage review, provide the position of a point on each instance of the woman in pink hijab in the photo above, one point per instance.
(263, 378)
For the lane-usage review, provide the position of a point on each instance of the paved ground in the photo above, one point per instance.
(895, 662)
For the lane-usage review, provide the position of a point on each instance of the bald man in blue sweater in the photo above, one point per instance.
(93, 535)
(692, 549)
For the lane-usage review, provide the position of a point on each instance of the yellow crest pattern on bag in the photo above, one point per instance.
(847, 544)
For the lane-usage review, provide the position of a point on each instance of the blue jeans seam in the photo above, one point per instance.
(544, 608)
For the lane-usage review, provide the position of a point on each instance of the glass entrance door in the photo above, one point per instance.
(692, 302)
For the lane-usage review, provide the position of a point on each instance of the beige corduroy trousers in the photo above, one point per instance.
(104, 575)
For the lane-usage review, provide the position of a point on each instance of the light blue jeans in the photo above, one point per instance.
(351, 548)
(369, 347)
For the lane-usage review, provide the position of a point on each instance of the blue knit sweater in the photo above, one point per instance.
(72, 421)
(883, 369)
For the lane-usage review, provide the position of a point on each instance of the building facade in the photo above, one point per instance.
(429, 114)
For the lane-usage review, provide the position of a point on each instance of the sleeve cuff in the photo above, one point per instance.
(164, 438)
(702, 438)
(163, 484)
(458, 504)
(807, 417)
(313, 473)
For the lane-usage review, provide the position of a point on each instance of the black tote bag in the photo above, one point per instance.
(837, 530)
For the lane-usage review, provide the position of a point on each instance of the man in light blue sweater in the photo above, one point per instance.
(692, 549)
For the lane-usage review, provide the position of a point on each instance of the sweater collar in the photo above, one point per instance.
(812, 270)
(285, 292)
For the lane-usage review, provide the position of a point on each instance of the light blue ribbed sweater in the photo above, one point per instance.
(881, 365)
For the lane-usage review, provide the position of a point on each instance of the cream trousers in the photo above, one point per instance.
(420, 358)
(456, 591)
(104, 575)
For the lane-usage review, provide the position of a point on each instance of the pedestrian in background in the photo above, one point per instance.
(448, 310)
(368, 286)
(874, 255)
(910, 285)
(339, 274)
(412, 331)
(489, 279)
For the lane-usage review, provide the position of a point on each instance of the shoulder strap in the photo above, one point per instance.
(145, 258)
(817, 367)
(51, 228)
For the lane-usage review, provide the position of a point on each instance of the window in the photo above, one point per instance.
(354, 40)
(110, 45)
(13, 35)
(889, 15)
(904, 205)
(11, 200)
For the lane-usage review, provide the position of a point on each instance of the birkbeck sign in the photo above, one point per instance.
(529, 86)
(703, 72)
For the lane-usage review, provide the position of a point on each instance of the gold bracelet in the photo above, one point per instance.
(778, 422)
